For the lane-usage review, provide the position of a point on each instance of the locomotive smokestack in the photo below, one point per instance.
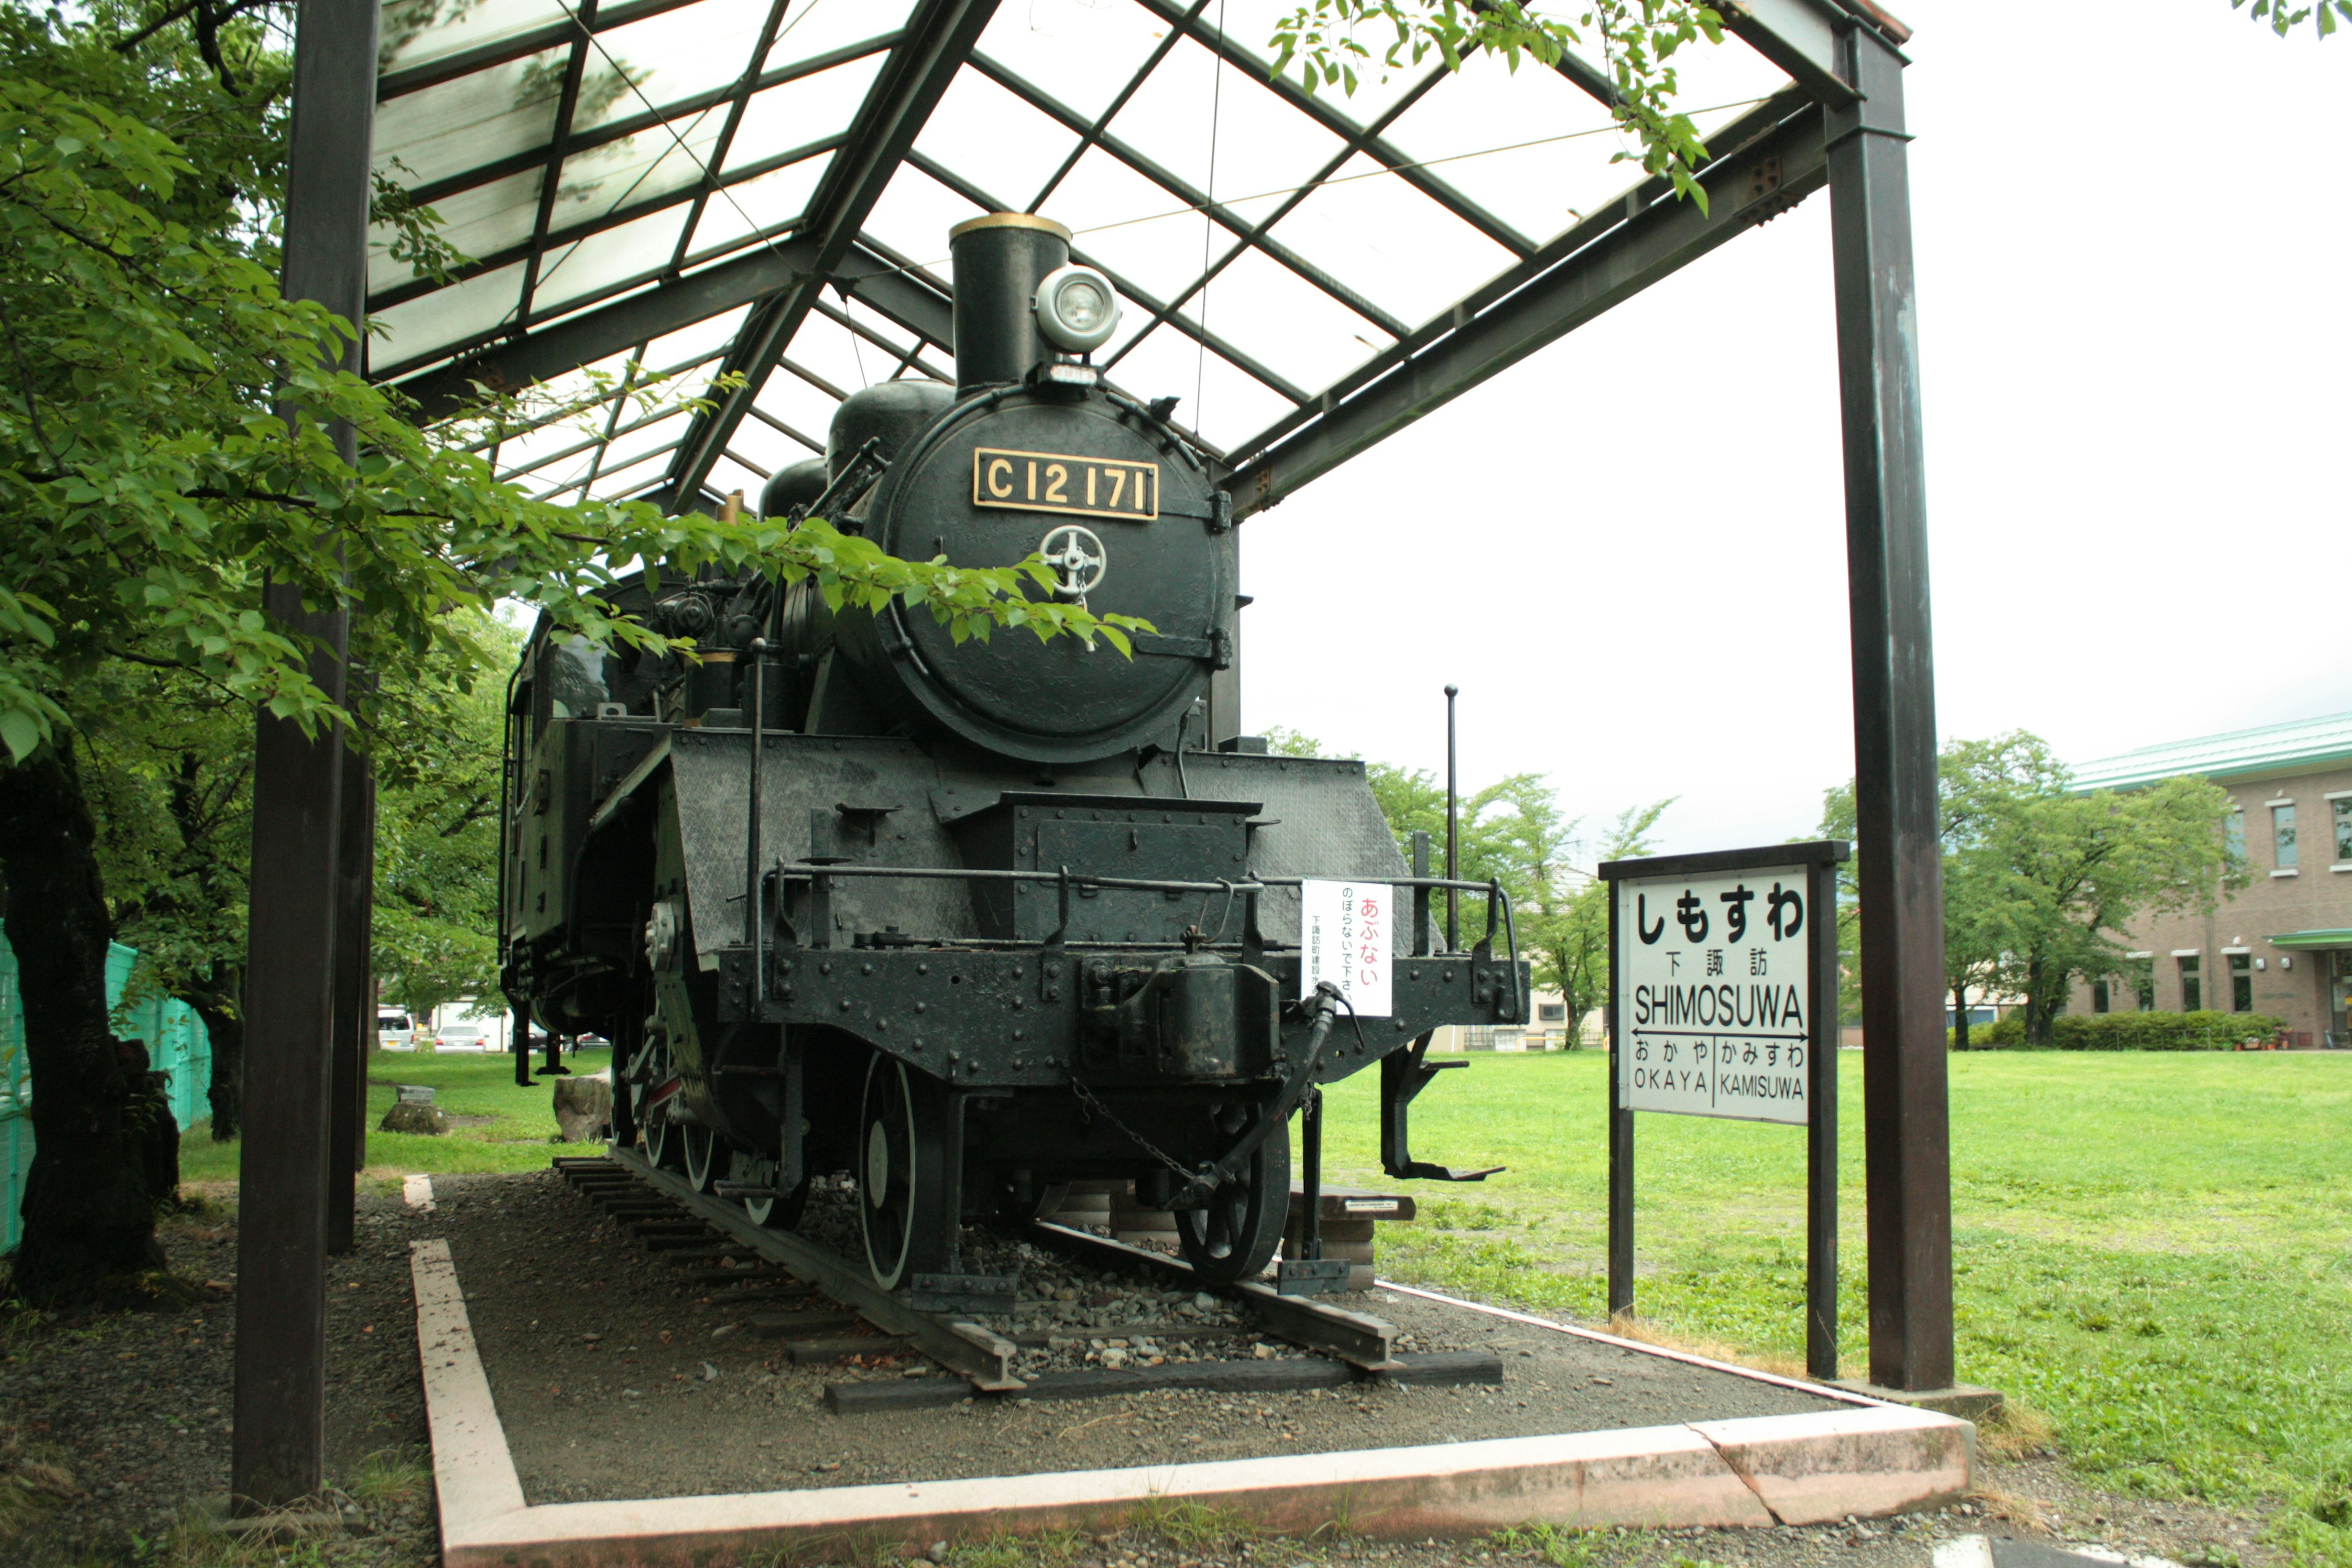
(999, 261)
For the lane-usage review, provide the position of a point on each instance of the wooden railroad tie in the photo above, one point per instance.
(1449, 1369)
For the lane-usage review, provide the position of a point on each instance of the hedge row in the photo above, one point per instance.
(2205, 1031)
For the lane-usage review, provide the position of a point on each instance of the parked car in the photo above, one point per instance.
(396, 1032)
(460, 1037)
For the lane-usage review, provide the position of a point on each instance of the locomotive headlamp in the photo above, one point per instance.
(1077, 309)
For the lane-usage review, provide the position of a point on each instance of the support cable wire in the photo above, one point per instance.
(1208, 236)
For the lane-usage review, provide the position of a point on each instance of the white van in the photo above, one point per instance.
(396, 1032)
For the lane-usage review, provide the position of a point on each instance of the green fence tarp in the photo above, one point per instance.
(177, 1044)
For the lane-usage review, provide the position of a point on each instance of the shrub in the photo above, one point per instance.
(2205, 1031)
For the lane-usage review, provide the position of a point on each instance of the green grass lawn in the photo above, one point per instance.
(515, 1135)
(2153, 1252)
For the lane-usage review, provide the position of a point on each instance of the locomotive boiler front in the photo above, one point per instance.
(1034, 457)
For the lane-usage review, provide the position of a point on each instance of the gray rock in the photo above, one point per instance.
(583, 1108)
(408, 1117)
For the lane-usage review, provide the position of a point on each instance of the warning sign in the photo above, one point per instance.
(1344, 936)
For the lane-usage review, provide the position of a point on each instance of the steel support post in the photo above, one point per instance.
(1899, 864)
(279, 1451)
(354, 998)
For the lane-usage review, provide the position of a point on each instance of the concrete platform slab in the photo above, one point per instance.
(1872, 1459)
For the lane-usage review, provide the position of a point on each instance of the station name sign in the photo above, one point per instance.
(1718, 974)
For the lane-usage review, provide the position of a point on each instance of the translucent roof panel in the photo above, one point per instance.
(419, 33)
(471, 122)
(655, 177)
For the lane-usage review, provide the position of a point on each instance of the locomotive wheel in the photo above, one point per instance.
(902, 1209)
(777, 1214)
(664, 1146)
(1233, 1236)
(702, 1163)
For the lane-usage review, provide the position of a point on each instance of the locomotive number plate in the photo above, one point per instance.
(1056, 481)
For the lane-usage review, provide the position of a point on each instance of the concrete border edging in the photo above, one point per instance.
(1757, 1471)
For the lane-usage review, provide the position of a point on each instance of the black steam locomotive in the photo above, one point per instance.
(966, 920)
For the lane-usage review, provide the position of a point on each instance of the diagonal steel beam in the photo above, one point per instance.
(518, 46)
(1192, 196)
(1598, 264)
(871, 277)
(558, 145)
(1160, 310)
(938, 39)
(724, 147)
(1321, 112)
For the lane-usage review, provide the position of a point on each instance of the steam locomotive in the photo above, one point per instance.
(968, 921)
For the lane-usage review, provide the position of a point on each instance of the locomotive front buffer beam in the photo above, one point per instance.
(999, 1018)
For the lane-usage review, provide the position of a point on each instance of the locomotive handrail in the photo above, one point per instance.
(1499, 899)
(1138, 884)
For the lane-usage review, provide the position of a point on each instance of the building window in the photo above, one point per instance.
(2343, 829)
(2192, 993)
(1551, 1012)
(2233, 833)
(2283, 836)
(2098, 995)
(2148, 991)
(2241, 982)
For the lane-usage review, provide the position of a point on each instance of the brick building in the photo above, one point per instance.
(2282, 946)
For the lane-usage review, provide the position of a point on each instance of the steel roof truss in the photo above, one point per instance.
(1764, 176)
(934, 47)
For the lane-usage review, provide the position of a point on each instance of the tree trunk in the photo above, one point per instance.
(222, 1009)
(1959, 1017)
(87, 1213)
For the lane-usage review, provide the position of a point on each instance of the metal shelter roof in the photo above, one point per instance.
(765, 187)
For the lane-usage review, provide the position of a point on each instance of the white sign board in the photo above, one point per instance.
(1344, 937)
(1715, 1005)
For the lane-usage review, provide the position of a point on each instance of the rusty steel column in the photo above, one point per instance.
(354, 998)
(1899, 861)
(278, 1450)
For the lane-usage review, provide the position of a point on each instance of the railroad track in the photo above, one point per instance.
(829, 1309)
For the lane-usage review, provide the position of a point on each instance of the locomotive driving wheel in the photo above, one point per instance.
(664, 1146)
(901, 1183)
(776, 1213)
(1233, 1235)
(702, 1159)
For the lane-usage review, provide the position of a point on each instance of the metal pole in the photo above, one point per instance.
(353, 1020)
(1821, 1132)
(1621, 1144)
(278, 1450)
(1899, 863)
(1452, 862)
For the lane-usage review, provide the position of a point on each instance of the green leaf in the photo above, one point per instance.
(22, 732)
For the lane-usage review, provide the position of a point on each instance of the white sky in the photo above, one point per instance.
(1629, 549)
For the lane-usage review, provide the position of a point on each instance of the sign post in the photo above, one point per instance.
(1723, 1002)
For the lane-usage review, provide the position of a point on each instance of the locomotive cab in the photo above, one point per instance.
(965, 921)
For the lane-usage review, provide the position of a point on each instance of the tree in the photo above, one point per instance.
(2040, 879)
(2283, 19)
(436, 864)
(169, 777)
(1570, 936)
(167, 447)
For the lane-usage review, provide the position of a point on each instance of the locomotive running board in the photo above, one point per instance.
(1355, 1338)
(963, 1348)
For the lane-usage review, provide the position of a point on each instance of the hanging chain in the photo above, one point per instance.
(1087, 1097)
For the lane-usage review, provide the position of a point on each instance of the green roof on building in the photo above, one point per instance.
(2273, 749)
